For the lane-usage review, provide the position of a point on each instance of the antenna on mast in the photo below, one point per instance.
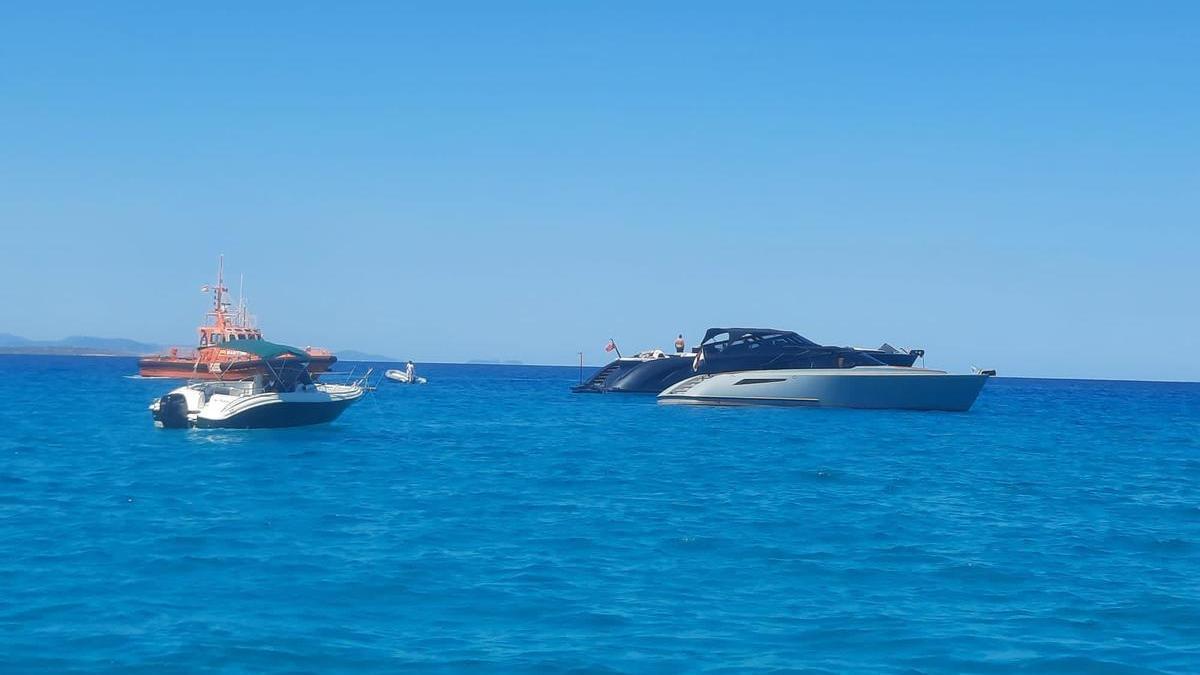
(220, 303)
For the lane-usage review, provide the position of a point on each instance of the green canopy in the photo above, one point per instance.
(266, 350)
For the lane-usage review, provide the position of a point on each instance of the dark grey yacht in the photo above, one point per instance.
(732, 349)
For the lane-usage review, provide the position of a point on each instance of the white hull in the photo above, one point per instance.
(883, 387)
(243, 405)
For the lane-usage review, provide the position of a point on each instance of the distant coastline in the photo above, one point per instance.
(89, 345)
(76, 345)
(64, 351)
(355, 355)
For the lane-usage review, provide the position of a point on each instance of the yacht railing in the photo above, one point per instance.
(356, 376)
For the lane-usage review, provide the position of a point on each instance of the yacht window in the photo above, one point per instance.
(720, 337)
(744, 343)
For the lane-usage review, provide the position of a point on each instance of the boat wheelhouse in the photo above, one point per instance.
(726, 349)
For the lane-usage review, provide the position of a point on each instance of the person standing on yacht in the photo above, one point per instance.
(409, 372)
(680, 344)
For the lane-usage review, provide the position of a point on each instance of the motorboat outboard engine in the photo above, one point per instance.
(173, 411)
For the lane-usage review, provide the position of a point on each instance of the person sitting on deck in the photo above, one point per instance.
(679, 344)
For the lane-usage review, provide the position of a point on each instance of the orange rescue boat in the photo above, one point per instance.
(210, 360)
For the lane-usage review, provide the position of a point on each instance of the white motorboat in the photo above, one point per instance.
(888, 387)
(286, 397)
(401, 376)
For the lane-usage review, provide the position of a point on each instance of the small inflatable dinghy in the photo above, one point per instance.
(401, 376)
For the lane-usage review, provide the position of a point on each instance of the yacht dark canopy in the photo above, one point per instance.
(755, 334)
(266, 350)
(727, 349)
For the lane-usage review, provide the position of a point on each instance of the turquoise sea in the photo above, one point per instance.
(490, 521)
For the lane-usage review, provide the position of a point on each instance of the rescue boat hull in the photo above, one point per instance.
(198, 369)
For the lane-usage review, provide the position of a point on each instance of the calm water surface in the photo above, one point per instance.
(491, 521)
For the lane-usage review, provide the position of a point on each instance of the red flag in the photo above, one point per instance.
(610, 346)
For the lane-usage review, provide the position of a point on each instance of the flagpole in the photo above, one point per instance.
(615, 347)
(580, 367)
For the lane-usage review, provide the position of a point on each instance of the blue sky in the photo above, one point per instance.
(1013, 185)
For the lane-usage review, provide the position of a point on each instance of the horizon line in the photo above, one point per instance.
(575, 365)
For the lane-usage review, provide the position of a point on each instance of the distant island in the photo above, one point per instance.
(495, 362)
(76, 345)
(88, 345)
(355, 355)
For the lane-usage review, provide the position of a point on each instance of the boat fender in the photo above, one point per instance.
(173, 411)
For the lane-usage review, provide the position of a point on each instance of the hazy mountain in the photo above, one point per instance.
(10, 340)
(78, 343)
(90, 344)
(109, 344)
(355, 355)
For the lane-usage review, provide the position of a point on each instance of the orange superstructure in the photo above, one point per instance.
(210, 361)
